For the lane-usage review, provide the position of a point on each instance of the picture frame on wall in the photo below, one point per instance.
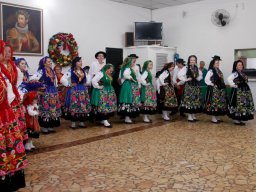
(22, 28)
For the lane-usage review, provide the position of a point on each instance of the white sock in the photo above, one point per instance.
(106, 123)
(165, 115)
(31, 144)
(146, 119)
(127, 119)
(73, 124)
(190, 117)
(27, 145)
(214, 119)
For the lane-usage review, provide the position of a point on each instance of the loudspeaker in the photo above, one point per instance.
(129, 39)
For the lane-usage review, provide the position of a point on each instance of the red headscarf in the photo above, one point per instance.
(29, 98)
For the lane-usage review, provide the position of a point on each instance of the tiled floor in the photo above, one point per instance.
(163, 156)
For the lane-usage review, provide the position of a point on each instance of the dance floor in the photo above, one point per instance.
(158, 157)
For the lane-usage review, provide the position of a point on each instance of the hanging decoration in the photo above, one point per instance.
(62, 48)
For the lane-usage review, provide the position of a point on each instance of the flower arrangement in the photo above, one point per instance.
(59, 42)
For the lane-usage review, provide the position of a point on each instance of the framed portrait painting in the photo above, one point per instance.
(22, 28)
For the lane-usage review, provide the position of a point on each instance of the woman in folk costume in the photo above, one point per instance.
(103, 98)
(12, 152)
(23, 75)
(216, 98)
(30, 100)
(10, 72)
(49, 103)
(77, 102)
(190, 101)
(148, 92)
(129, 97)
(241, 105)
(61, 88)
(179, 85)
(166, 93)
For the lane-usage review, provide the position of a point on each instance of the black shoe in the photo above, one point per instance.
(191, 121)
(240, 124)
(195, 120)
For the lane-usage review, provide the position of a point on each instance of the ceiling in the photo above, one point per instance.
(155, 4)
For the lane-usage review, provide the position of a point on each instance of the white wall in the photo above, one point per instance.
(95, 24)
(195, 33)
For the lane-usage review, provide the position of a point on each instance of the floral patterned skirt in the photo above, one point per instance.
(12, 153)
(215, 101)
(167, 99)
(77, 103)
(129, 99)
(241, 105)
(49, 108)
(19, 112)
(148, 99)
(105, 105)
(191, 99)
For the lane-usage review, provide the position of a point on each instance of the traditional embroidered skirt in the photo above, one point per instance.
(12, 153)
(104, 102)
(77, 103)
(167, 99)
(129, 99)
(215, 101)
(19, 112)
(62, 95)
(49, 108)
(148, 99)
(241, 106)
(191, 99)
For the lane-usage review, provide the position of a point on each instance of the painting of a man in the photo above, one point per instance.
(22, 29)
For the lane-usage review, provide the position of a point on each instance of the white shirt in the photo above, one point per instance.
(95, 67)
(175, 76)
(182, 75)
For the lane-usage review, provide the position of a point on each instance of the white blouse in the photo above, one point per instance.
(32, 111)
(231, 79)
(182, 75)
(160, 81)
(207, 78)
(96, 79)
(143, 78)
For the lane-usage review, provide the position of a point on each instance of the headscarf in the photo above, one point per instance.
(128, 64)
(145, 68)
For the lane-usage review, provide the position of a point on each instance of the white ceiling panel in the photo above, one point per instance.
(155, 4)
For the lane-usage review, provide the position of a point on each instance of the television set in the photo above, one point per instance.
(148, 31)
